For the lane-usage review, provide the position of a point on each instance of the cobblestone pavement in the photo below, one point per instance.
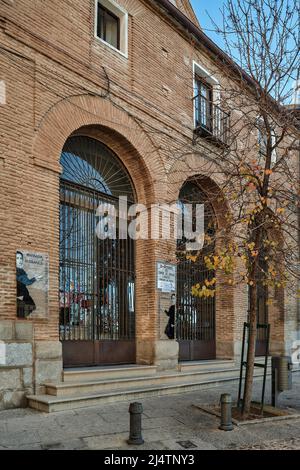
(168, 421)
(285, 444)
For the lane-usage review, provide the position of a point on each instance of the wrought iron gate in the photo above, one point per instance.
(97, 275)
(195, 317)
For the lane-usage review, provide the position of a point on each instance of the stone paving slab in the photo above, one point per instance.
(19, 438)
(288, 444)
(167, 420)
(74, 444)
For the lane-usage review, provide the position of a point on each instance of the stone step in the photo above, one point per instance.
(89, 387)
(94, 386)
(85, 374)
(50, 403)
(214, 364)
(187, 366)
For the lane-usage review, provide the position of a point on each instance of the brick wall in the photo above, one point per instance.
(60, 80)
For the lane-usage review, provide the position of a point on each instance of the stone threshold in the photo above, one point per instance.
(107, 367)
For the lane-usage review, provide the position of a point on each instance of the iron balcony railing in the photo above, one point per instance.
(211, 121)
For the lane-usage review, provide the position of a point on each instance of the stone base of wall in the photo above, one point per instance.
(24, 363)
(162, 353)
(277, 348)
(225, 350)
(16, 363)
(144, 352)
(237, 350)
(166, 354)
(48, 365)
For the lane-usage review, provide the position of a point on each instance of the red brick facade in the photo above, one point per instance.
(61, 80)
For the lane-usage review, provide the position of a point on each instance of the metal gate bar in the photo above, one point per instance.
(96, 276)
(195, 316)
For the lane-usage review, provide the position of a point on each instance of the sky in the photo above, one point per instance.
(202, 8)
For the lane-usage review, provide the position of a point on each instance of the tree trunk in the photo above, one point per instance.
(251, 352)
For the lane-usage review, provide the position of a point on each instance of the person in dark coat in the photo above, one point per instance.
(25, 303)
(169, 331)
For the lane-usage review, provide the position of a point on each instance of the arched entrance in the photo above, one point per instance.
(97, 273)
(196, 325)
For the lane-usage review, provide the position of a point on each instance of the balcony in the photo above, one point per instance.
(211, 122)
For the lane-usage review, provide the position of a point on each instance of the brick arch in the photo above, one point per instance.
(208, 176)
(138, 171)
(115, 126)
(200, 169)
(99, 118)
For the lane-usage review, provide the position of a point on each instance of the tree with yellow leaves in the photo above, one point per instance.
(259, 165)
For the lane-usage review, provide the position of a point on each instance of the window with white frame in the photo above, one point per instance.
(111, 25)
(206, 92)
(210, 120)
(204, 99)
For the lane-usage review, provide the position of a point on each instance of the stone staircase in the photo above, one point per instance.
(84, 387)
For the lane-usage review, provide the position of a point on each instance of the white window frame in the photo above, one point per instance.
(200, 71)
(122, 14)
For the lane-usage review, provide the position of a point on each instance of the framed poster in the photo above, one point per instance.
(32, 271)
(166, 277)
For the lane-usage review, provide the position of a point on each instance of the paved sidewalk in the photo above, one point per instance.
(167, 421)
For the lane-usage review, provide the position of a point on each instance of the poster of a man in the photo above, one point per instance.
(32, 284)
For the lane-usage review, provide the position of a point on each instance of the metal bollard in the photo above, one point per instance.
(135, 436)
(226, 405)
(281, 376)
